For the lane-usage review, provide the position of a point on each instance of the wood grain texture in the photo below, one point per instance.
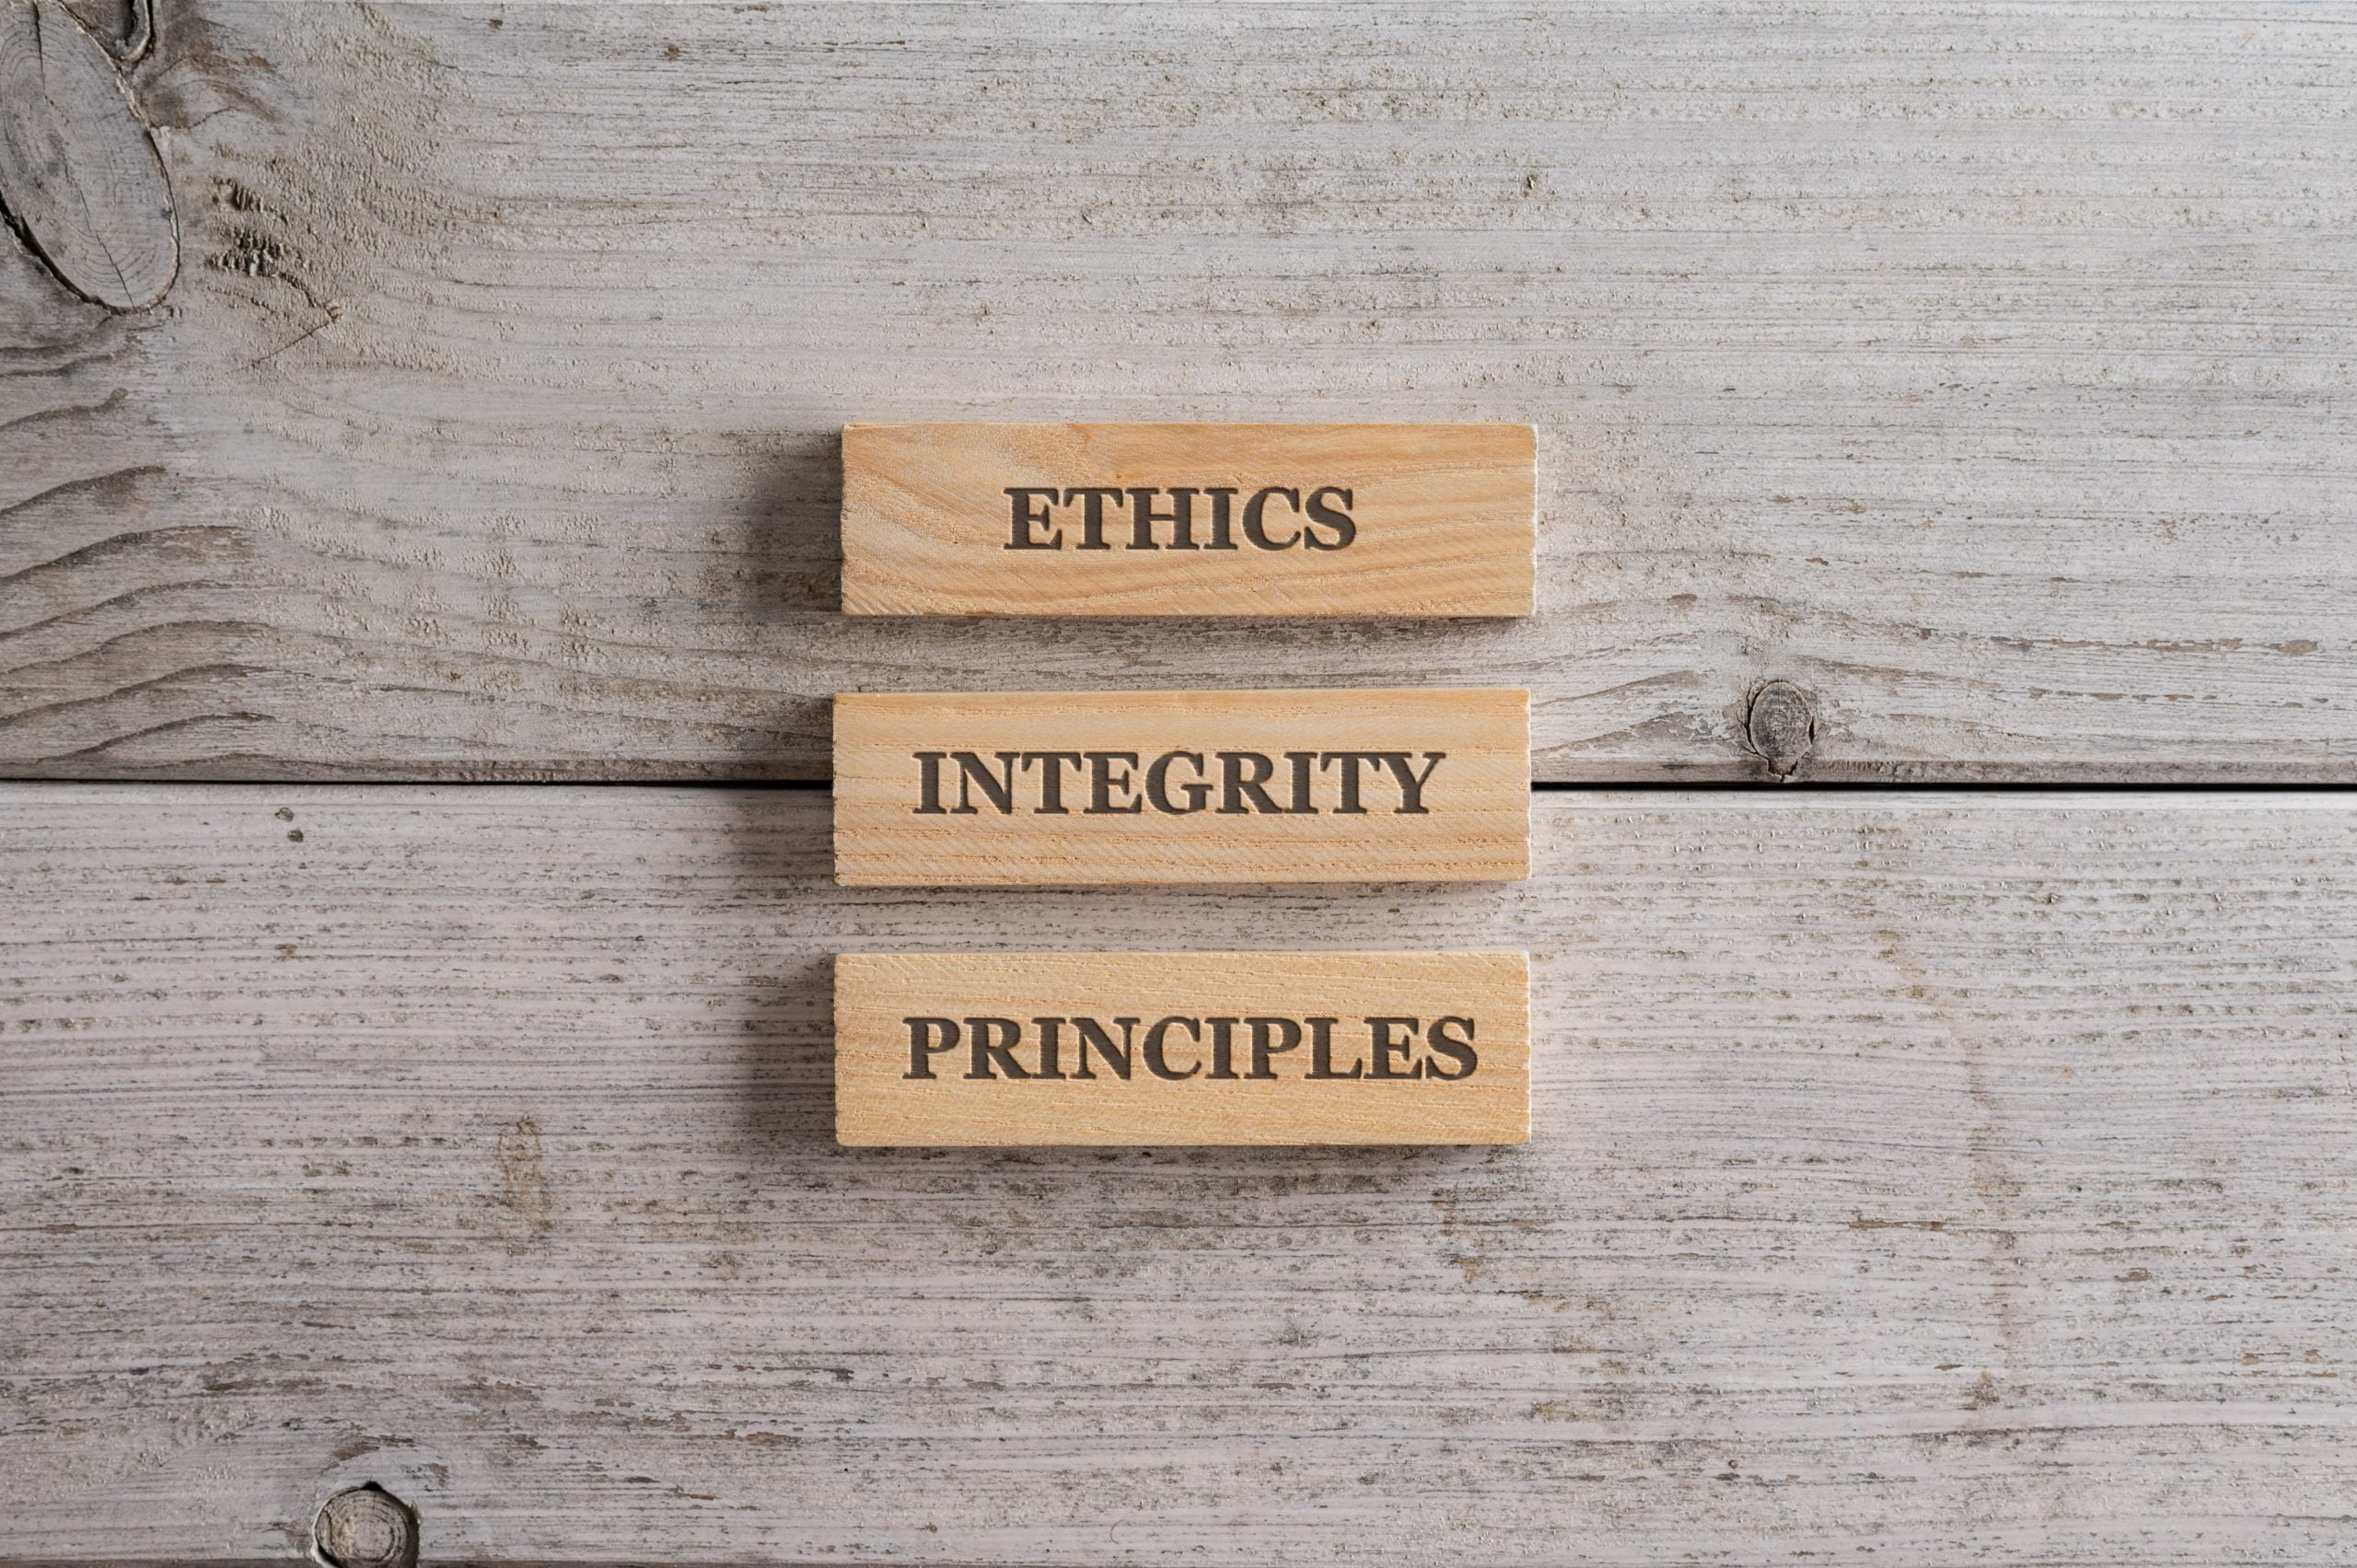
(1985, 372)
(1202, 519)
(1064, 1050)
(1914, 1179)
(79, 177)
(1007, 789)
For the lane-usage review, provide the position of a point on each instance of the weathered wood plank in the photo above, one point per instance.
(1939, 1179)
(1985, 373)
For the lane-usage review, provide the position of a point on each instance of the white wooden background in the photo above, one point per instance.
(1986, 371)
(1917, 1178)
(1923, 1178)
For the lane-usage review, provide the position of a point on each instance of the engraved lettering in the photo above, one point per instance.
(1370, 1048)
(1222, 520)
(1270, 1037)
(1050, 1046)
(1092, 512)
(1174, 784)
(1051, 779)
(1093, 1035)
(1182, 518)
(1155, 1038)
(1350, 760)
(1255, 524)
(1411, 785)
(1323, 514)
(929, 783)
(1325, 521)
(997, 788)
(1193, 791)
(1020, 497)
(1302, 804)
(1321, 1051)
(922, 1048)
(1103, 781)
(1387, 1047)
(1457, 1047)
(1236, 789)
(991, 1041)
(1223, 1047)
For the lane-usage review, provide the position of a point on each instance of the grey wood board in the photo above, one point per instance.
(1914, 1179)
(1985, 372)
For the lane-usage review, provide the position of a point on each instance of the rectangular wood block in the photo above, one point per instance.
(1041, 788)
(1187, 519)
(1183, 1048)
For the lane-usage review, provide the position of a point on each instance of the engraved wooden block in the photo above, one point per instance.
(1183, 1048)
(1187, 519)
(1012, 789)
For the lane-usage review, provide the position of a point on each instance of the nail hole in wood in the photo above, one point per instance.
(365, 1528)
(1780, 726)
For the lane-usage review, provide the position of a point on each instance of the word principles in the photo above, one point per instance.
(1212, 1048)
(1175, 783)
(1321, 520)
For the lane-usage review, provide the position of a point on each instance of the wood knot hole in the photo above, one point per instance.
(365, 1528)
(1782, 726)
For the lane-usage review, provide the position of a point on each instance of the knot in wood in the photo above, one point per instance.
(1782, 726)
(365, 1528)
(80, 177)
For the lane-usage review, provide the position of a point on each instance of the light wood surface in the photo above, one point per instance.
(1032, 789)
(1200, 519)
(998, 1048)
(1983, 372)
(1914, 1179)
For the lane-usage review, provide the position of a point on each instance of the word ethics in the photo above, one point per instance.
(1325, 521)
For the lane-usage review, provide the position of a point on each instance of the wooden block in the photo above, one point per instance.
(1013, 789)
(1187, 519)
(1183, 1048)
